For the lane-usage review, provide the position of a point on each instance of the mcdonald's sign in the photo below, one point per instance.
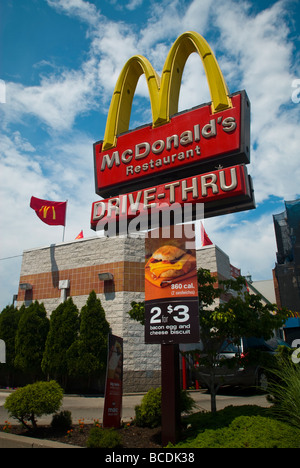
(174, 143)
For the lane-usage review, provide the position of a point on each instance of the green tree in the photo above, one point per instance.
(88, 354)
(31, 338)
(241, 315)
(63, 331)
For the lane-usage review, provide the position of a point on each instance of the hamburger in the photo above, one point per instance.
(170, 262)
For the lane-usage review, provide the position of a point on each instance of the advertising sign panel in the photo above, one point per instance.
(114, 383)
(171, 286)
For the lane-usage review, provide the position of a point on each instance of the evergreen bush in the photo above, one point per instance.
(104, 438)
(148, 413)
(62, 420)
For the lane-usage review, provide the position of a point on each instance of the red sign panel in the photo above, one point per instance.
(223, 190)
(114, 383)
(190, 140)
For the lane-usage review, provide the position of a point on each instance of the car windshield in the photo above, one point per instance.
(229, 346)
(275, 342)
(257, 343)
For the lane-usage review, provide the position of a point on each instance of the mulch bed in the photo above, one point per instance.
(132, 436)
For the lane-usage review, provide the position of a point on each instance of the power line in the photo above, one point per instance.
(8, 258)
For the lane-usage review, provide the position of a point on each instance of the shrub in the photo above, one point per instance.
(104, 438)
(148, 413)
(284, 389)
(187, 404)
(247, 432)
(62, 420)
(33, 401)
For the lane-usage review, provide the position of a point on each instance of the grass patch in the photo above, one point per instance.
(247, 426)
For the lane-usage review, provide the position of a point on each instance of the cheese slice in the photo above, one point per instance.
(158, 268)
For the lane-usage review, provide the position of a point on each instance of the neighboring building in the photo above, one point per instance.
(53, 273)
(265, 288)
(286, 273)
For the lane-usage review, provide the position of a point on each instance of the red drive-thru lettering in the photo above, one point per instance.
(220, 190)
(190, 140)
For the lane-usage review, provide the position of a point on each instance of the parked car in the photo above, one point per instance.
(242, 372)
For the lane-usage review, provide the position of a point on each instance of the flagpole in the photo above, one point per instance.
(63, 239)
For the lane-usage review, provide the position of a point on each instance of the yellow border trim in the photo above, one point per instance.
(164, 92)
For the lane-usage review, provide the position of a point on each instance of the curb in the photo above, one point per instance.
(17, 441)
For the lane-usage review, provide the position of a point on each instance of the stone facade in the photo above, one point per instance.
(80, 262)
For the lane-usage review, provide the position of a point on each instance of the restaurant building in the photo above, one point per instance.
(115, 269)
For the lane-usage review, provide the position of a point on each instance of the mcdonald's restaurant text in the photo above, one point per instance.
(143, 149)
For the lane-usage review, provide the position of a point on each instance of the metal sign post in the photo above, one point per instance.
(170, 398)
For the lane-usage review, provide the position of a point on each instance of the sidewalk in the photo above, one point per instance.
(15, 441)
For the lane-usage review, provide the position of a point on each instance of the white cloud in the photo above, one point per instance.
(133, 4)
(170, 18)
(64, 171)
(261, 52)
(250, 244)
(81, 9)
(20, 175)
(57, 101)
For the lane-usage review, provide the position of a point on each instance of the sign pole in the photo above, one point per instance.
(170, 399)
(64, 230)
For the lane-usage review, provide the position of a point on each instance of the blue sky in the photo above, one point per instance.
(59, 62)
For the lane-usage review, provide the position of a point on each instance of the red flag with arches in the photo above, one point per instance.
(50, 212)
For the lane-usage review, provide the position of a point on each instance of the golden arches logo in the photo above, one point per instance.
(164, 91)
(44, 211)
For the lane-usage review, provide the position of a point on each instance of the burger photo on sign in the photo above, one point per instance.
(168, 264)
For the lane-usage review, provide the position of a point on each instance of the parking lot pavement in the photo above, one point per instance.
(90, 408)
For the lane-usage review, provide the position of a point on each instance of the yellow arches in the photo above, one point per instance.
(164, 92)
